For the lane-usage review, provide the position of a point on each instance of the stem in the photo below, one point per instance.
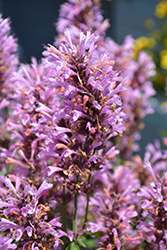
(76, 203)
(75, 213)
(86, 140)
(87, 205)
(64, 209)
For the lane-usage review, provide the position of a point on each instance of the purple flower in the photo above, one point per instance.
(27, 220)
(31, 95)
(27, 210)
(152, 223)
(114, 209)
(136, 73)
(8, 56)
(156, 156)
(90, 110)
(6, 243)
(71, 115)
(8, 64)
(80, 16)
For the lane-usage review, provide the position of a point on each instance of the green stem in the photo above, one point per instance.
(75, 213)
(86, 140)
(64, 209)
(76, 203)
(87, 205)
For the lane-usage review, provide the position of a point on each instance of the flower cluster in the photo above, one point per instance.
(31, 89)
(76, 16)
(114, 210)
(90, 111)
(136, 72)
(24, 218)
(139, 89)
(154, 205)
(71, 179)
(8, 64)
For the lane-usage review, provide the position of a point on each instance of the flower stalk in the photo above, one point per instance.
(64, 209)
(75, 213)
(87, 204)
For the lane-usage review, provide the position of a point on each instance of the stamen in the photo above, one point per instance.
(45, 113)
(61, 146)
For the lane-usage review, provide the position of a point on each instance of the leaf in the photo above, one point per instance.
(72, 246)
(90, 243)
(81, 241)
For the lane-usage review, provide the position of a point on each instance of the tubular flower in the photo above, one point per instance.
(153, 221)
(79, 16)
(32, 91)
(157, 157)
(24, 219)
(115, 210)
(8, 64)
(139, 89)
(6, 243)
(8, 56)
(90, 111)
(135, 71)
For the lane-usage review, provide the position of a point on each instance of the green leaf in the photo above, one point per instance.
(81, 241)
(90, 243)
(72, 246)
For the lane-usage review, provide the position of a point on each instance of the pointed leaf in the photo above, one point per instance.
(72, 246)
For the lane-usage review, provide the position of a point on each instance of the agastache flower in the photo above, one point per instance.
(157, 157)
(152, 224)
(6, 243)
(114, 207)
(90, 109)
(8, 57)
(31, 92)
(8, 64)
(153, 155)
(77, 16)
(24, 219)
(137, 73)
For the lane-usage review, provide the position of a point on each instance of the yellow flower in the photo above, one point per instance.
(143, 43)
(163, 59)
(161, 9)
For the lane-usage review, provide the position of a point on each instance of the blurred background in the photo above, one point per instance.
(33, 25)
